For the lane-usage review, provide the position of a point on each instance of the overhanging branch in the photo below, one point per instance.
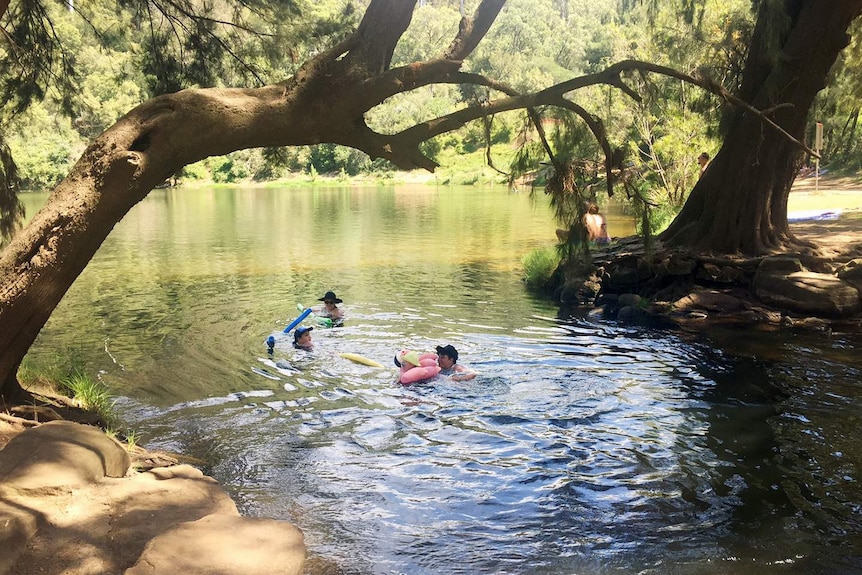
(554, 96)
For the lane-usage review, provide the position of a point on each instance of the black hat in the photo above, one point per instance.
(330, 296)
(300, 331)
(448, 350)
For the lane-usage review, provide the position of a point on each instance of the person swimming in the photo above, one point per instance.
(302, 338)
(330, 307)
(447, 359)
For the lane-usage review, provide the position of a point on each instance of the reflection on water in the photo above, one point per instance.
(582, 447)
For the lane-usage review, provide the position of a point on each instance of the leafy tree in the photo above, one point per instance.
(738, 205)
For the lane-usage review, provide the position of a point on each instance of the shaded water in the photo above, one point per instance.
(582, 447)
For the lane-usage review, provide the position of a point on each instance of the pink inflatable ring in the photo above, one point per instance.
(416, 367)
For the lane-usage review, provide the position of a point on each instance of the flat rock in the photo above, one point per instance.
(808, 293)
(225, 545)
(70, 510)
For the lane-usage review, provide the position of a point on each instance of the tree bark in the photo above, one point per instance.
(324, 101)
(740, 203)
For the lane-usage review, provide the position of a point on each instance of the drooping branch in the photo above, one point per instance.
(597, 127)
(554, 96)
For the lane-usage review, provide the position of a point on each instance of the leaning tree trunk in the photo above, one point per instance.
(325, 101)
(740, 203)
(158, 138)
(142, 150)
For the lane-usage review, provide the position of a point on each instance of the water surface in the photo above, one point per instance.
(582, 447)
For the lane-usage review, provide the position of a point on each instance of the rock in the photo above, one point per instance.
(632, 314)
(629, 300)
(69, 510)
(621, 278)
(672, 292)
(18, 526)
(808, 293)
(680, 264)
(851, 272)
(61, 453)
(780, 265)
(225, 545)
(709, 300)
(720, 274)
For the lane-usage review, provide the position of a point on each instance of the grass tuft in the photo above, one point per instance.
(539, 266)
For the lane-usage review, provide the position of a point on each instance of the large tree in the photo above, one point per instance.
(739, 205)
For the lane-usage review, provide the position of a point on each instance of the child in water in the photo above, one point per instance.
(447, 359)
(302, 338)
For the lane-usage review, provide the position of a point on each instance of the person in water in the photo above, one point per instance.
(447, 359)
(330, 307)
(302, 338)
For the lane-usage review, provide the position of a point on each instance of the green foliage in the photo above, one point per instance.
(52, 369)
(664, 144)
(11, 208)
(652, 214)
(90, 395)
(113, 64)
(838, 107)
(33, 58)
(45, 146)
(539, 266)
(67, 375)
(229, 169)
(196, 171)
(106, 92)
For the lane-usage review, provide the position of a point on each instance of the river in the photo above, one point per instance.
(583, 446)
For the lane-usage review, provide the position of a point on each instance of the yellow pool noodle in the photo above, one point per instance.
(361, 359)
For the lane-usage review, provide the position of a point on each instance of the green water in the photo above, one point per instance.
(583, 446)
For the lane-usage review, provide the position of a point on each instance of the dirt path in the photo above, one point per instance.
(840, 238)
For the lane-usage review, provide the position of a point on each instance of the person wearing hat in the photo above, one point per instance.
(302, 338)
(447, 359)
(330, 307)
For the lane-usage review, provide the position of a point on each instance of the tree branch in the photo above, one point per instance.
(598, 129)
(554, 96)
(472, 30)
(381, 28)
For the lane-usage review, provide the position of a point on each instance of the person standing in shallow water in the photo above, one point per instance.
(447, 359)
(330, 307)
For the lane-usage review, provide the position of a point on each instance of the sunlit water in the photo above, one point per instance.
(583, 446)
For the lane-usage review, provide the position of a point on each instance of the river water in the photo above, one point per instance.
(582, 447)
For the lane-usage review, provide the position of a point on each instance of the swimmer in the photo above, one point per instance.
(302, 338)
(330, 307)
(447, 359)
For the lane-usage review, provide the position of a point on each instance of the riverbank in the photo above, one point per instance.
(819, 286)
(74, 501)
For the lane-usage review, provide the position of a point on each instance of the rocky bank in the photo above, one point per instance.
(71, 503)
